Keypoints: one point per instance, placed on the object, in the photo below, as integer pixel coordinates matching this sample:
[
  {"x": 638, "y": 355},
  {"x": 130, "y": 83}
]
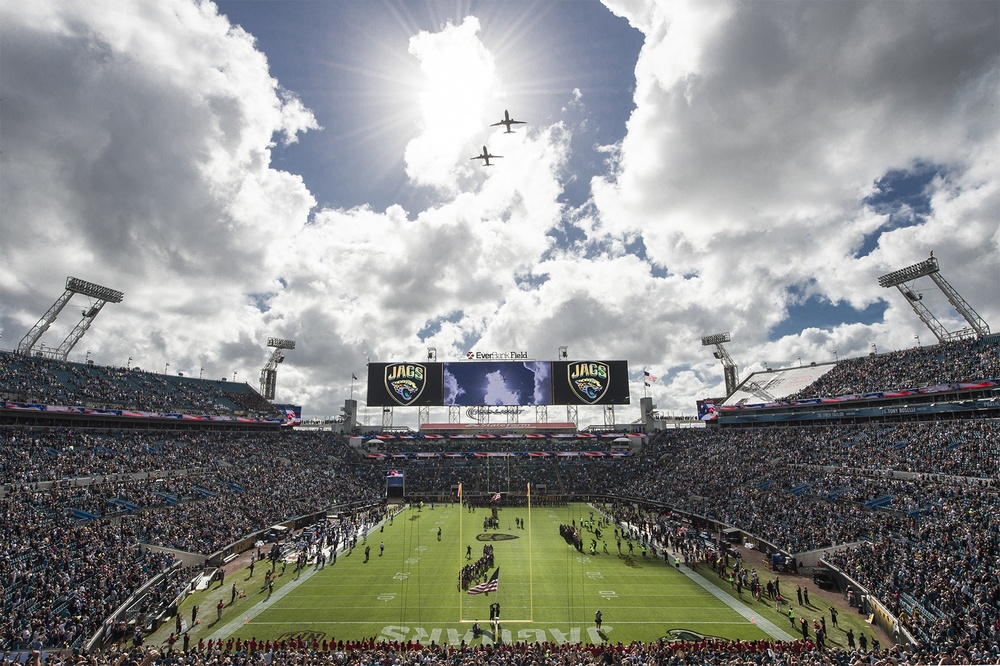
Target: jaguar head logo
[
  {"x": 589, "y": 380},
  {"x": 405, "y": 381}
]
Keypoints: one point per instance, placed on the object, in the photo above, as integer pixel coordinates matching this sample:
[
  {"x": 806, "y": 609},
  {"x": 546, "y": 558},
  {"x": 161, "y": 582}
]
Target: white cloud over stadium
[{"x": 757, "y": 187}]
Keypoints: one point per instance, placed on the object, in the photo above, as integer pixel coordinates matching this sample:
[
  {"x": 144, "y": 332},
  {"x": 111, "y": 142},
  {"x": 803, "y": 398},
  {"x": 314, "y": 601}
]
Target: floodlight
[
  {"x": 926, "y": 267},
  {"x": 716, "y": 339},
  {"x": 92, "y": 290},
  {"x": 280, "y": 343}
]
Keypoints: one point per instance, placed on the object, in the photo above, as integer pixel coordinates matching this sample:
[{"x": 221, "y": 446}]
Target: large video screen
[
  {"x": 590, "y": 383},
  {"x": 492, "y": 383},
  {"x": 498, "y": 383}
]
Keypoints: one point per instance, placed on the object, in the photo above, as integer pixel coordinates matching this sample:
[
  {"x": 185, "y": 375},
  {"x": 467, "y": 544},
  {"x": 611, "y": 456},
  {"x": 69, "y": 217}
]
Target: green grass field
[{"x": 547, "y": 591}]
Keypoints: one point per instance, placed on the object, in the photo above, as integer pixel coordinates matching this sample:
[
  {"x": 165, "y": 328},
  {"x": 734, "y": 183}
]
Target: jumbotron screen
[{"x": 498, "y": 383}]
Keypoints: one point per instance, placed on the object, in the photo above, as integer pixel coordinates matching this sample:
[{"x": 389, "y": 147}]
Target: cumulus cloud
[
  {"x": 137, "y": 152},
  {"x": 758, "y": 133}
]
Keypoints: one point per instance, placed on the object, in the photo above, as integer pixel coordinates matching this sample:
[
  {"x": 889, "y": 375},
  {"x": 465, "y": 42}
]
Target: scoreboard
[{"x": 498, "y": 383}]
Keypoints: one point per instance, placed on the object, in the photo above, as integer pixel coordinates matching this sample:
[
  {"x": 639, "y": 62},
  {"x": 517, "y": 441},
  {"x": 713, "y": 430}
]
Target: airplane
[
  {"x": 508, "y": 121},
  {"x": 486, "y": 157}
]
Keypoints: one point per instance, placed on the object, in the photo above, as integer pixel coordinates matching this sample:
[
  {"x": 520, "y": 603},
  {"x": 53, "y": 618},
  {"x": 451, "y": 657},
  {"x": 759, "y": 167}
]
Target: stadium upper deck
[{"x": 27, "y": 379}]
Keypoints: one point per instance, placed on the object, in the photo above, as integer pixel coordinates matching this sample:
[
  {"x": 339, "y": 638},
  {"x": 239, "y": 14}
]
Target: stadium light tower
[
  {"x": 98, "y": 296},
  {"x": 729, "y": 369},
  {"x": 269, "y": 374},
  {"x": 904, "y": 277}
]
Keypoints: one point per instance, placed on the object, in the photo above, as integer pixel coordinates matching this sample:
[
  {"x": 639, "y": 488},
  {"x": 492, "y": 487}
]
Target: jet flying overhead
[
  {"x": 486, "y": 157},
  {"x": 507, "y": 122}
]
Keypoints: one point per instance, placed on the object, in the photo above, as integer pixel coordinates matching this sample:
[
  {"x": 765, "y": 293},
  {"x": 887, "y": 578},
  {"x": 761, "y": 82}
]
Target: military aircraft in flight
[
  {"x": 486, "y": 157},
  {"x": 508, "y": 121}
]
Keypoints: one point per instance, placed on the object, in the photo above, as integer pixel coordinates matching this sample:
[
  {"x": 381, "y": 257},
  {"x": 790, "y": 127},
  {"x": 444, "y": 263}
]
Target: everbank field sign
[{"x": 496, "y": 356}]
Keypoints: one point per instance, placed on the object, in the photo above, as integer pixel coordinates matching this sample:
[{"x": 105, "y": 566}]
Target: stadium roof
[{"x": 774, "y": 385}]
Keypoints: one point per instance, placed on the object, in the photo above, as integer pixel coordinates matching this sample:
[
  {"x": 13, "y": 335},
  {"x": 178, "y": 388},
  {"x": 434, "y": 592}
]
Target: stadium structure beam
[
  {"x": 609, "y": 415},
  {"x": 100, "y": 296},
  {"x": 756, "y": 389},
  {"x": 423, "y": 415},
  {"x": 269, "y": 373},
  {"x": 572, "y": 415},
  {"x": 904, "y": 277},
  {"x": 729, "y": 369}
]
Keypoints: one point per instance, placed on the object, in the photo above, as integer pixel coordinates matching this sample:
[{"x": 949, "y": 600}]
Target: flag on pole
[
  {"x": 489, "y": 586},
  {"x": 354, "y": 377},
  {"x": 495, "y": 498},
  {"x": 648, "y": 378}
]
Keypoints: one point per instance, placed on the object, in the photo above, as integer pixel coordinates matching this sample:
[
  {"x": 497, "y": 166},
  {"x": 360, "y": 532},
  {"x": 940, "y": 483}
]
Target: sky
[{"x": 302, "y": 169}]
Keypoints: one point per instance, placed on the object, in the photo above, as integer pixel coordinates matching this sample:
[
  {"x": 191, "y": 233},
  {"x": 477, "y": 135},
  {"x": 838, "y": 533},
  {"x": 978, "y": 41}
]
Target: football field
[{"x": 547, "y": 590}]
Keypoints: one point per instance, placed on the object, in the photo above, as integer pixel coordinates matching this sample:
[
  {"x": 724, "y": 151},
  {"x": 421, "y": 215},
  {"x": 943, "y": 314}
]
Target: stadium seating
[{"x": 920, "y": 497}]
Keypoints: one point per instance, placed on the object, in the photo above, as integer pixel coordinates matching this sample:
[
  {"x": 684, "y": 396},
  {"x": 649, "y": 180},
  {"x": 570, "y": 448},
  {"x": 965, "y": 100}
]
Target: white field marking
[
  {"x": 411, "y": 560},
  {"x": 608, "y": 594},
  {"x": 420, "y": 549},
  {"x": 660, "y": 611},
  {"x": 249, "y": 614},
  {"x": 402, "y": 575},
  {"x": 386, "y": 596},
  {"x": 768, "y": 627},
  {"x": 361, "y": 622},
  {"x": 595, "y": 575}
]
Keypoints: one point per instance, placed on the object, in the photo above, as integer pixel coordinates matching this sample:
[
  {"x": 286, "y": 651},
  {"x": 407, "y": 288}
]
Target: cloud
[
  {"x": 759, "y": 129},
  {"x": 137, "y": 152},
  {"x": 460, "y": 87}
]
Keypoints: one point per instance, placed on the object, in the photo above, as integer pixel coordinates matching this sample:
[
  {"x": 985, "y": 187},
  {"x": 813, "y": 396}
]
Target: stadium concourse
[{"x": 98, "y": 513}]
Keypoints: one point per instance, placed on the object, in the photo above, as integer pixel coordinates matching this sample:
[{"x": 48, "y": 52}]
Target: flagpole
[
  {"x": 461, "y": 542},
  {"x": 352, "y": 386},
  {"x": 531, "y": 577}
]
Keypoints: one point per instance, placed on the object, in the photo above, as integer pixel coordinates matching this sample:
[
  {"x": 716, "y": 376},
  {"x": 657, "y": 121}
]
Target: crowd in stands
[
  {"x": 471, "y": 445},
  {"x": 944, "y": 363},
  {"x": 39, "y": 380},
  {"x": 930, "y": 551},
  {"x": 300, "y": 652},
  {"x": 808, "y": 488},
  {"x": 62, "y": 575}
]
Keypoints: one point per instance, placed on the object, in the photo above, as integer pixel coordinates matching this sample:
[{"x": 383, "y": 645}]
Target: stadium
[
  {"x": 852, "y": 515},
  {"x": 258, "y": 458}
]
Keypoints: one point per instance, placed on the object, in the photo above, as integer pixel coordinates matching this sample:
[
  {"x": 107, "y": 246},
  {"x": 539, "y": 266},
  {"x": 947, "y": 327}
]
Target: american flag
[
  {"x": 495, "y": 498},
  {"x": 489, "y": 586},
  {"x": 648, "y": 378}
]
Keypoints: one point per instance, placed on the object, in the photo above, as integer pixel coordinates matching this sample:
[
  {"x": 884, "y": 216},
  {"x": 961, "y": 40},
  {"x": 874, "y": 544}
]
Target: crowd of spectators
[
  {"x": 944, "y": 363},
  {"x": 299, "y": 652},
  {"x": 34, "y": 379},
  {"x": 66, "y": 570},
  {"x": 934, "y": 539},
  {"x": 930, "y": 550}
]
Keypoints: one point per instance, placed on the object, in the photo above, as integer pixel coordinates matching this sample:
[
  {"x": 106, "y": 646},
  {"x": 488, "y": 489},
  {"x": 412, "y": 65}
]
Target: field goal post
[{"x": 531, "y": 560}]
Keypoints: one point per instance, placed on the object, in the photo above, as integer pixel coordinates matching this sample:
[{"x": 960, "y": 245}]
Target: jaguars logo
[
  {"x": 589, "y": 380},
  {"x": 405, "y": 382},
  {"x": 307, "y": 636}
]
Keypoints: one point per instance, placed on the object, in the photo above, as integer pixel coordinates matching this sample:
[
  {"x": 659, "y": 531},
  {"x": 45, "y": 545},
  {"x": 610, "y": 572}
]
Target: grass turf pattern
[{"x": 548, "y": 590}]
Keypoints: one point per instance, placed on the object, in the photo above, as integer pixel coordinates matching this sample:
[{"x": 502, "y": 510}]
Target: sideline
[
  {"x": 247, "y": 616},
  {"x": 768, "y": 627}
]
